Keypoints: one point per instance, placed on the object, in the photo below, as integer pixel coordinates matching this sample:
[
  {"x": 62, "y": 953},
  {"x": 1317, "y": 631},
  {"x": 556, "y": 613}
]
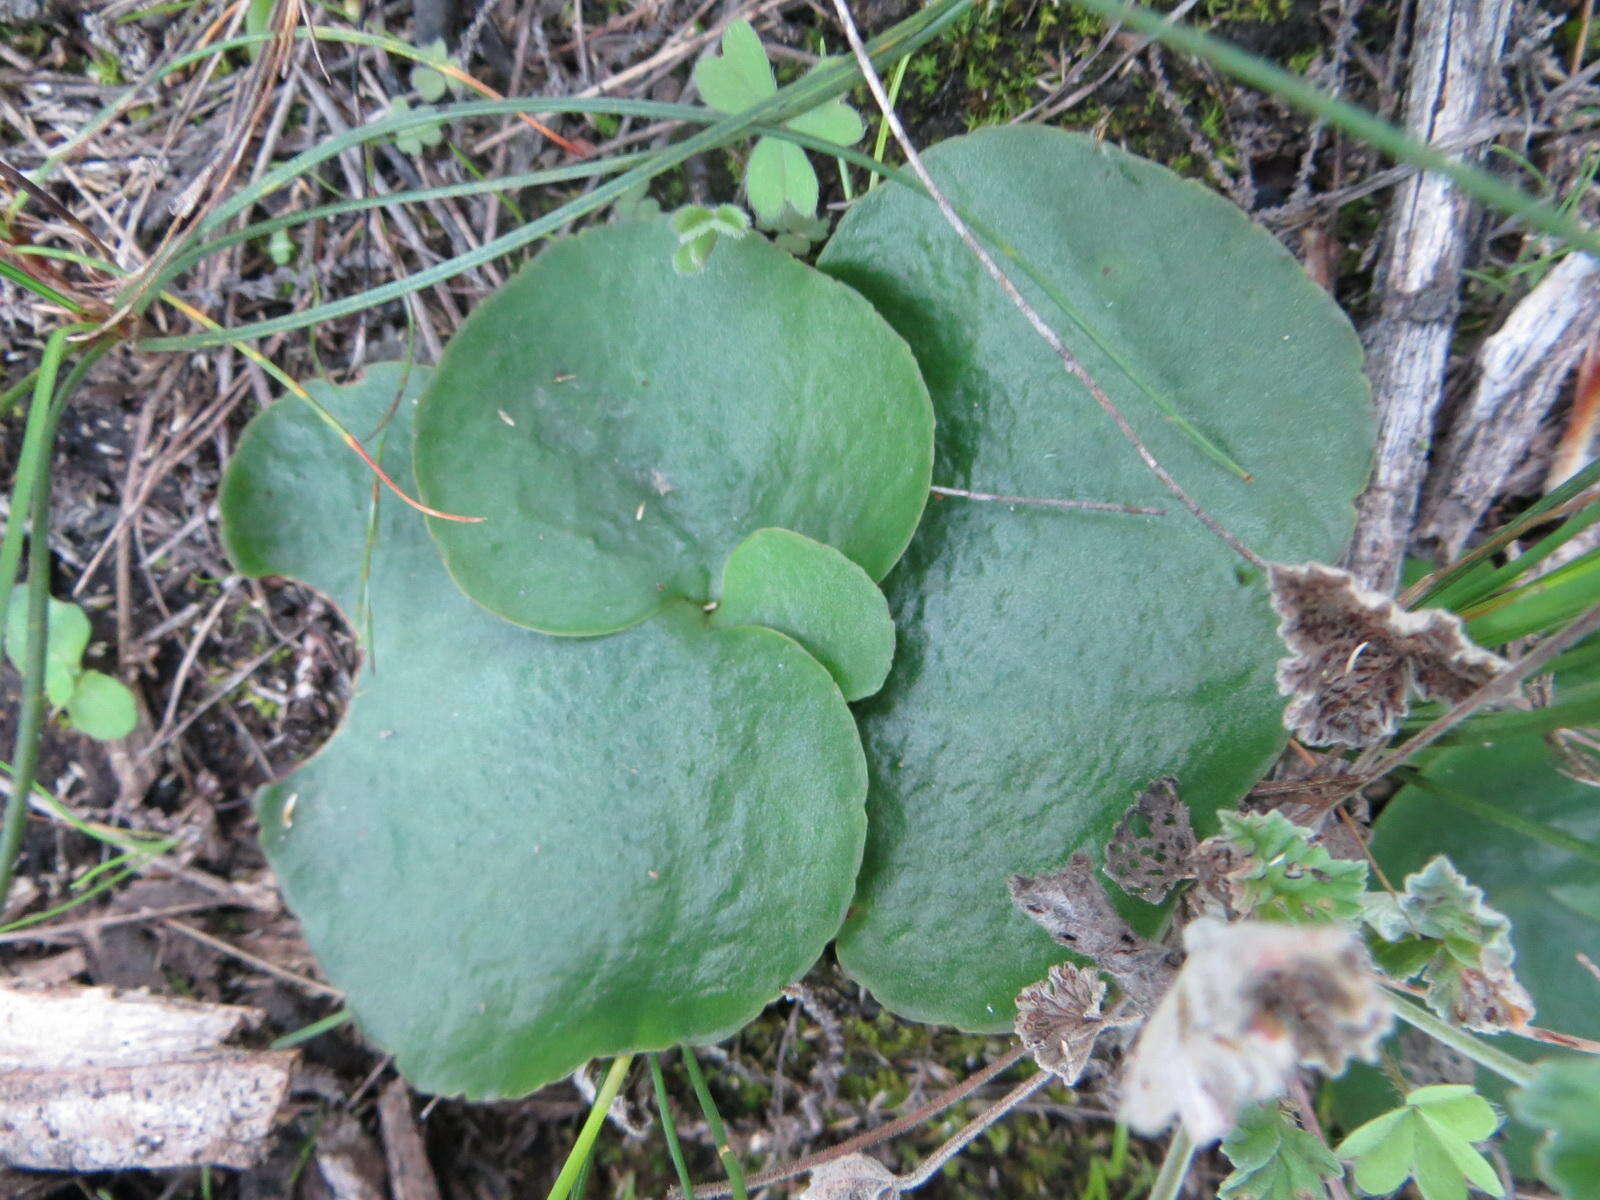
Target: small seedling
[
  {"x": 94, "y": 703},
  {"x": 414, "y": 141},
  {"x": 778, "y": 179}
]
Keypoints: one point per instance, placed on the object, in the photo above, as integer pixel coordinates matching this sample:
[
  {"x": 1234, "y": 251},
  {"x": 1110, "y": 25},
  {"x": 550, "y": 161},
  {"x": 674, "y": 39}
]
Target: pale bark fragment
[
  {"x": 1454, "y": 55},
  {"x": 93, "y": 1080},
  {"x": 1523, "y": 368},
  {"x": 410, "y": 1175}
]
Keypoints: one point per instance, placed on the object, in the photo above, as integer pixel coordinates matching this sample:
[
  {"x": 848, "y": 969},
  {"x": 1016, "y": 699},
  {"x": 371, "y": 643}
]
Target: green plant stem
[
  {"x": 708, "y": 1106},
  {"x": 30, "y": 719},
  {"x": 1512, "y": 1070},
  {"x": 1367, "y": 127},
  {"x": 1174, "y": 1167},
  {"x": 584, "y": 1146},
  {"x": 669, "y": 1128}
]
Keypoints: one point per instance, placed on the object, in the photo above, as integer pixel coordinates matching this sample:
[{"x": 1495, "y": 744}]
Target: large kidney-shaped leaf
[
  {"x": 519, "y": 851},
  {"x": 1050, "y": 663},
  {"x": 622, "y": 427}
]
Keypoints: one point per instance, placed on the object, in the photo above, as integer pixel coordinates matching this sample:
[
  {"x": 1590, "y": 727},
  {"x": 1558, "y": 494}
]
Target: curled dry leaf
[
  {"x": 1151, "y": 851},
  {"x": 853, "y": 1177},
  {"x": 1073, "y": 907},
  {"x": 1059, "y": 1018},
  {"x": 1254, "y": 1001},
  {"x": 1358, "y": 656}
]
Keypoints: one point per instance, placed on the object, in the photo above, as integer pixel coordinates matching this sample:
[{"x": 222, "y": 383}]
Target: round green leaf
[
  {"x": 1551, "y": 895},
  {"x": 102, "y": 707},
  {"x": 66, "y": 637},
  {"x": 622, "y": 427},
  {"x": 1051, "y": 663},
  {"x": 738, "y": 77},
  {"x": 519, "y": 852},
  {"x": 817, "y": 596}
]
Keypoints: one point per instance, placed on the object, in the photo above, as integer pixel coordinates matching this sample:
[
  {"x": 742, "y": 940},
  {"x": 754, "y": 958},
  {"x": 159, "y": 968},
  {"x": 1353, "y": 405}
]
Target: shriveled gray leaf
[
  {"x": 1072, "y": 906},
  {"x": 853, "y": 1177},
  {"x": 1152, "y": 849},
  {"x": 1358, "y": 656},
  {"x": 1059, "y": 1019}
]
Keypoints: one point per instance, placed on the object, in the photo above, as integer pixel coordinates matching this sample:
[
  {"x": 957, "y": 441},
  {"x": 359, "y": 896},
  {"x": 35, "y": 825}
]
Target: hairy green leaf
[
  {"x": 1274, "y": 1159},
  {"x": 1563, "y": 1103},
  {"x": 1276, "y": 873}
]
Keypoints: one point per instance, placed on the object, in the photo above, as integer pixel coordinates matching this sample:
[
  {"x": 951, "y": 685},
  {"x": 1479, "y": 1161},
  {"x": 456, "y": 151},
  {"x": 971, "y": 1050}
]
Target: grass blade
[
  {"x": 669, "y": 1129},
  {"x": 708, "y": 1106}
]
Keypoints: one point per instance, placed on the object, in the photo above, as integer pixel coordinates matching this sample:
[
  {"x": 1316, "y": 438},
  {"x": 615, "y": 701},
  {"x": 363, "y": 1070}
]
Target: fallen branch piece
[{"x": 94, "y": 1080}]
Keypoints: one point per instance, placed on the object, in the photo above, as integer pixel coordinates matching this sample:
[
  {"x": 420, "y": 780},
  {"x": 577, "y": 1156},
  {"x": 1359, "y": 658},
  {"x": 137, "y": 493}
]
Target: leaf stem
[
  {"x": 1512, "y": 1070},
  {"x": 1174, "y": 1167},
  {"x": 584, "y": 1146},
  {"x": 931, "y": 1165},
  {"x": 669, "y": 1128}
]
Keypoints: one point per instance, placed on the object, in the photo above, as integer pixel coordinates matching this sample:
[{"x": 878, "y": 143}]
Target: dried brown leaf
[
  {"x": 1152, "y": 849},
  {"x": 1059, "y": 1019},
  {"x": 1358, "y": 656}
]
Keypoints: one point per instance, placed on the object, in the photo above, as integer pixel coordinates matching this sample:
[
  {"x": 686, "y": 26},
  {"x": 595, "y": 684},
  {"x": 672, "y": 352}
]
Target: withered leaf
[
  {"x": 1072, "y": 905},
  {"x": 1151, "y": 851},
  {"x": 853, "y": 1177},
  {"x": 1254, "y": 1001},
  {"x": 1358, "y": 656},
  {"x": 1059, "y": 1019}
]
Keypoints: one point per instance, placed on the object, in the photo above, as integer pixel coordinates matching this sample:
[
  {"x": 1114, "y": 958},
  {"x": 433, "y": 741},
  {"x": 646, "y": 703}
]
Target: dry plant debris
[
  {"x": 1059, "y": 1019},
  {"x": 1358, "y": 656},
  {"x": 1149, "y": 862},
  {"x": 1253, "y": 1002},
  {"x": 94, "y": 1080}
]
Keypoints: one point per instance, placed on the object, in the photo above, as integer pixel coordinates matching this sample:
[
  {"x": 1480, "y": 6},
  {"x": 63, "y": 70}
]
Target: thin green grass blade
[
  {"x": 1578, "y": 707},
  {"x": 1540, "y": 605},
  {"x": 584, "y": 1146},
  {"x": 669, "y": 1128},
  {"x": 1503, "y": 818},
  {"x": 1450, "y": 587},
  {"x": 800, "y": 96},
  {"x": 1488, "y": 584},
  {"x": 1369, "y": 128},
  {"x": 316, "y": 1029},
  {"x": 708, "y": 1106},
  {"x": 43, "y": 290}
]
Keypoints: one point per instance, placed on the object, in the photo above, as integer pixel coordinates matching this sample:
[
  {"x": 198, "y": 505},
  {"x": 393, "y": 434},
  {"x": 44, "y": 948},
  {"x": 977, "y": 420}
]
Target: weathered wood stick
[{"x": 1456, "y": 47}]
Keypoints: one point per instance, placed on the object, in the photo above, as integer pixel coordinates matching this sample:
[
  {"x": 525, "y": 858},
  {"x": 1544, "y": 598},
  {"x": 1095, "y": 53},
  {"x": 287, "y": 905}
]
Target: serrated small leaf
[
  {"x": 738, "y": 77},
  {"x": 102, "y": 707},
  {"x": 1468, "y": 974},
  {"x": 1562, "y": 1101},
  {"x": 690, "y": 258},
  {"x": 1274, "y": 1159},
  {"x": 1274, "y": 871}
]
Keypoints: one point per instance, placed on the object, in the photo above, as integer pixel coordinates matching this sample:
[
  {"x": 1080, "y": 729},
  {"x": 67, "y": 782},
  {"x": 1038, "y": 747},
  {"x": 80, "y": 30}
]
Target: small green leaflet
[
  {"x": 698, "y": 228},
  {"x": 1429, "y": 1139},
  {"x": 95, "y": 703},
  {"x": 1280, "y": 876},
  {"x": 1274, "y": 1159},
  {"x": 778, "y": 179},
  {"x": 1564, "y": 1101},
  {"x": 1441, "y": 927}
]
